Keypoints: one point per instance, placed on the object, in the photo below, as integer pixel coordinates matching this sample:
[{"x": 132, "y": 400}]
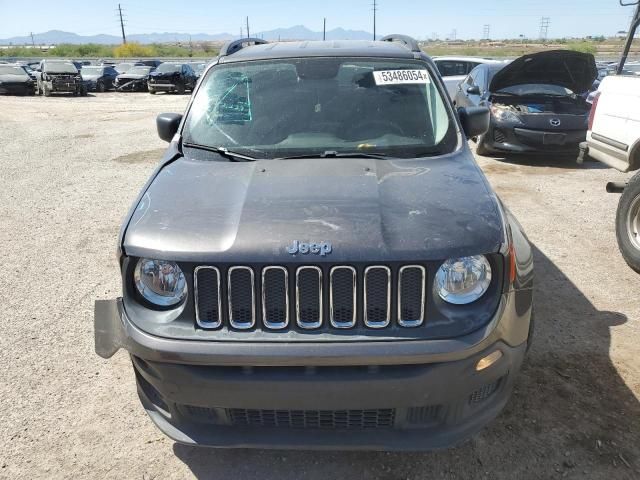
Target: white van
[{"x": 614, "y": 139}]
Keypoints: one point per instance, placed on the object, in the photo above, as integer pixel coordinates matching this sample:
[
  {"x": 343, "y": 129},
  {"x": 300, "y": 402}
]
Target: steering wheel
[{"x": 373, "y": 129}]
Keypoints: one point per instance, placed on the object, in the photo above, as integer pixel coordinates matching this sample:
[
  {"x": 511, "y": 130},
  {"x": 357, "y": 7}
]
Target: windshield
[
  {"x": 139, "y": 71},
  {"x": 123, "y": 67},
  {"x": 10, "y": 70},
  {"x": 60, "y": 67},
  {"x": 168, "y": 68},
  {"x": 537, "y": 89},
  {"x": 310, "y": 106},
  {"x": 92, "y": 70}
]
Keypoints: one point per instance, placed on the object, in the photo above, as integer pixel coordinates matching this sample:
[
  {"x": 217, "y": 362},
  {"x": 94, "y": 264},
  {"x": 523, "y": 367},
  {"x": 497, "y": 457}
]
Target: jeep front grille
[{"x": 310, "y": 298}]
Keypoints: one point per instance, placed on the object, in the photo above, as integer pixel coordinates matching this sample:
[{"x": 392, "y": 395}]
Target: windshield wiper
[
  {"x": 334, "y": 154},
  {"x": 223, "y": 152}
]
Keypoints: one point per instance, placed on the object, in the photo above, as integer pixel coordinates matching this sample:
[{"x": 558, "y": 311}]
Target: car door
[
  {"x": 463, "y": 97},
  {"x": 110, "y": 75}
]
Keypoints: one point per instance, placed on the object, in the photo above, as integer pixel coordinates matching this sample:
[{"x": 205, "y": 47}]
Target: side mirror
[
  {"x": 167, "y": 125},
  {"x": 474, "y": 120},
  {"x": 475, "y": 90}
]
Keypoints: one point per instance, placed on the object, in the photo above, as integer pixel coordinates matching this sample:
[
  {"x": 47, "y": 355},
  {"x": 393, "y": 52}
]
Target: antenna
[
  {"x": 544, "y": 27},
  {"x": 124, "y": 38},
  {"x": 324, "y": 29},
  {"x": 375, "y": 9},
  {"x": 248, "y": 32}
]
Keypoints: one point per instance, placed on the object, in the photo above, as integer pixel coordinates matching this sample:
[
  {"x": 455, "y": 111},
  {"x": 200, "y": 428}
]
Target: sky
[{"x": 421, "y": 19}]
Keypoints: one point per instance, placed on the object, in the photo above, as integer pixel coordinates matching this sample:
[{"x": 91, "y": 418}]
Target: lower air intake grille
[
  {"x": 484, "y": 392},
  {"x": 313, "y": 419},
  {"x": 499, "y": 136}
]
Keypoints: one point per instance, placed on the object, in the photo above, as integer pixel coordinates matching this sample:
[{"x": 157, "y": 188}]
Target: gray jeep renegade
[{"x": 318, "y": 261}]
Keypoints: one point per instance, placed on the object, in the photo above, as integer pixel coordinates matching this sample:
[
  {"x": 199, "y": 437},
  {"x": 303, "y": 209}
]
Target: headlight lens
[
  {"x": 160, "y": 282},
  {"x": 463, "y": 280},
  {"x": 504, "y": 115}
]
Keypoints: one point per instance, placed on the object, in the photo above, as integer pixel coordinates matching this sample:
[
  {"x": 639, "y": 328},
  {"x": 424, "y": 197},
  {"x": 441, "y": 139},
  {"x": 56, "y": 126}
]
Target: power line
[
  {"x": 544, "y": 27},
  {"x": 124, "y": 38}
]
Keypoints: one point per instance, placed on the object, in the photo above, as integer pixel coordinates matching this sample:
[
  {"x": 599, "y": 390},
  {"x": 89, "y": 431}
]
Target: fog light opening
[{"x": 489, "y": 360}]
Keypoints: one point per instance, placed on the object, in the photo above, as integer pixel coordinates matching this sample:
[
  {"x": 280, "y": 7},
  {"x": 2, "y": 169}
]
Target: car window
[
  {"x": 450, "y": 68},
  {"x": 480, "y": 78},
  {"x": 286, "y": 107}
]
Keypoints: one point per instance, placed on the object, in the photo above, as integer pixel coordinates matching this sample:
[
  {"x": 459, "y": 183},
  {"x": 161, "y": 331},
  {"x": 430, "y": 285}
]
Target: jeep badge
[{"x": 321, "y": 249}]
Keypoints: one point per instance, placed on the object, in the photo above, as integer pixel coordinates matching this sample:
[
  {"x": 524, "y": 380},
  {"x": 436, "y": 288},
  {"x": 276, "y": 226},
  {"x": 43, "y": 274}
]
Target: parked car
[
  {"x": 59, "y": 76},
  {"x": 614, "y": 138},
  {"x": 455, "y": 69},
  {"x": 172, "y": 77},
  {"x": 536, "y": 102},
  {"x": 150, "y": 63},
  {"x": 318, "y": 261},
  {"x": 125, "y": 67},
  {"x": 14, "y": 80},
  {"x": 135, "y": 80},
  {"x": 29, "y": 71},
  {"x": 99, "y": 78}
]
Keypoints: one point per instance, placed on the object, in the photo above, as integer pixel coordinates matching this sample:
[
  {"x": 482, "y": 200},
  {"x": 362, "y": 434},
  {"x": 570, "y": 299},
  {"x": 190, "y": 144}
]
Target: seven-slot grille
[{"x": 276, "y": 298}]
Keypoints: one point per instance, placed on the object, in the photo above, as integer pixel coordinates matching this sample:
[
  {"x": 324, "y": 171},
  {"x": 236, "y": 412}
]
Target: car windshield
[
  {"x": 60, "y": 67},
  {"x": 168, "y": 68},
  {"x": 92, "y": 70},
  {"x": 537, "y": 89},
  {"x": 139, "y": 71},
  {"x": 123, "y": 67},
  {"x": 314, "y": 106},
  {"x": 11, "y": 70}
]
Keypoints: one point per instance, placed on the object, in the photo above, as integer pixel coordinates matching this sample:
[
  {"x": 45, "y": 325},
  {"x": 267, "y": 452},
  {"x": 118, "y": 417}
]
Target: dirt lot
[{"x": 69, "y": 169}]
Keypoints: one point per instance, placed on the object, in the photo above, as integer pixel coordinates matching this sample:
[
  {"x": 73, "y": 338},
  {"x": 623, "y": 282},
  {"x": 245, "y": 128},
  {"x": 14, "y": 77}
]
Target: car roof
[
  {"x": 469, "y": 59},
  {"x": 338, "y": 48}
]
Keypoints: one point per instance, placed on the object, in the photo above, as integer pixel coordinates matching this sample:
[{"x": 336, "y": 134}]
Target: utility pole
[
  {"x": 241, "y": 32},
  {"x": 375, "y": 9},
  {"x": 324, "y": 29},
  {"x": 486, "y": 33},
  {"x": 635, "y": 23},
  {"x": 33, "y": 42},
  {"x": 124, "y": 38},
  {"x": 544, "y": 27},
  {"x": 248, "y": 34}
]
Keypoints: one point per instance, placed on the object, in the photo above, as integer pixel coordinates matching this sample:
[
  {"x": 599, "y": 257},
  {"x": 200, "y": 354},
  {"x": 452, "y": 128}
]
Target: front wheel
[
  {"x": 628, "y": 223},
  {"x": 101, "y": 87},
  {"x": 180, "y": 88},
  {"x": 45, "y": 90},
  {"x": 481, "y": 149}
]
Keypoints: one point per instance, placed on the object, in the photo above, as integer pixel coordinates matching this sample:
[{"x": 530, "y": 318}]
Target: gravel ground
[{"x": 69, "y": 169}]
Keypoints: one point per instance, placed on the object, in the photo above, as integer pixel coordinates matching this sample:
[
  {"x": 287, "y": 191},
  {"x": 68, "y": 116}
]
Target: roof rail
[
  {"x": 406, "y": 40},
  {"x": 232, "y": 47}
]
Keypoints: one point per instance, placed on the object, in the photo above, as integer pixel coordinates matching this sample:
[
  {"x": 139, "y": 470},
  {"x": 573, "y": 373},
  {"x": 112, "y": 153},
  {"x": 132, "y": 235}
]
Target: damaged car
[
  {"x": 134, "y": 80},
  {"x": 537, "y": 102},
  {"x": 57, "y": 76},
  {"x": 15, "y": 81},
  {"x": 99, "y": 78},
  {"x": 172, "y": 77}
]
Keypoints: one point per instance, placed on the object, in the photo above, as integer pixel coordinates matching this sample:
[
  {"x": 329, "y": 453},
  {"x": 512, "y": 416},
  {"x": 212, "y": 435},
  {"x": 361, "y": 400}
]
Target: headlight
[
  {"x": 463, "y": 280},
  {"x": 160, "y": 282},
  {"x": 504, "y": 115}
]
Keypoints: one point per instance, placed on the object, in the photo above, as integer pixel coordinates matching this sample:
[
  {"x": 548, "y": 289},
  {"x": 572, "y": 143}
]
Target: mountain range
[{"x": 298, "y": 32}]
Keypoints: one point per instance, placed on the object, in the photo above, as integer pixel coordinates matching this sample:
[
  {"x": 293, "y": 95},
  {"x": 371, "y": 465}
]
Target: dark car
[
  {"x": 29, "y": 71},
  {"x": 59, "y": 76},
  {"x": 172, "y": 77},
  {"x": 537, "y": 102},
  {"x": 14, "y": 80},
  {"x": 134, "y": 80},
  {"x": 318, "y": 261},
  {"x": 99, "y": 78}
]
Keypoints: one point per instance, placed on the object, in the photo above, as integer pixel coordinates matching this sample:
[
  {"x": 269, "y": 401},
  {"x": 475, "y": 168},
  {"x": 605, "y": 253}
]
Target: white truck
[{"x": 614, "y": 138}]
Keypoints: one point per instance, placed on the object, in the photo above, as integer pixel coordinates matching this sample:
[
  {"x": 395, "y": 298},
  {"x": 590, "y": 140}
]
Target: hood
[
  {"x": 211, "y": 211},
  {"x": 163, "y": 74},
  {"x": 11, "y": 78},
  {"x": 92, "y": 76},
  {"x": 573, "y": 70}
]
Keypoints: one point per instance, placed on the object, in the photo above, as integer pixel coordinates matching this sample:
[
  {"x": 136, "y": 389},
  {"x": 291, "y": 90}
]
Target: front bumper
[
  {"x": 404, "y": 395},
  {"x": 510, "y": 138},
  {"x": 17, "y": 88},
  {"x": 162, "y": 87}
]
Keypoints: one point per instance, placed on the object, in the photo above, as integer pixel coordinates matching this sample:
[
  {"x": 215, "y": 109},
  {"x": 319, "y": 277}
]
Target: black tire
[
  {"x": 532, "y": 329},
  {"x": 628, "y": 223},
  {"x": 83, "y": 91},
  {"x": 152, "y": 92},
  {"x": 101, "y": 87},
  {"x": 180, "y": 88},
  {"x": 481, "y": 149}
]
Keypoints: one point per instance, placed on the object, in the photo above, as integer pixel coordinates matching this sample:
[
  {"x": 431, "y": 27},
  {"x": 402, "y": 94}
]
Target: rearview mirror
[
  {"x": 475, "y": 90},
  {"x": 474, "y": 120},
  {"x": 167, "y": 125}
]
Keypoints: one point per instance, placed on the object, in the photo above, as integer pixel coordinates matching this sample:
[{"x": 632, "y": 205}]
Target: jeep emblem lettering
[{"x": 322, "y": 249}]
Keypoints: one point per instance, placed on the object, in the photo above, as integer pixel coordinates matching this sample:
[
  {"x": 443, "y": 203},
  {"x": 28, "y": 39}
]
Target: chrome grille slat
[
  {"x": 241, "y": 297},
  {"x": 208, "y": 300},
  {"x": 309, "y": 312},
  {"x": 275, "y": 297},
  {"x": 377, "y": 296},
  {"x": 342, "y": 297},
  {"x": 411, "y": 295}
]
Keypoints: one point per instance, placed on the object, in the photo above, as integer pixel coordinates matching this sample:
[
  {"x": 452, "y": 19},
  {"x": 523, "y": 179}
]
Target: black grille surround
[{"x": 200, "y": 317}]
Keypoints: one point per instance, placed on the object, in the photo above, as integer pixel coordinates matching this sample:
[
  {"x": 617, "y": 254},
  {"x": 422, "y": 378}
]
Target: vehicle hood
[
  {"x": 573, "y": 70},
  {"x": 11, "y": 78},
  {"x": 212, "y": 211},
  {"x": 131, "y": 76},
  {"x": 92, "y": 76},
  {"x": 163, "y": 74}
]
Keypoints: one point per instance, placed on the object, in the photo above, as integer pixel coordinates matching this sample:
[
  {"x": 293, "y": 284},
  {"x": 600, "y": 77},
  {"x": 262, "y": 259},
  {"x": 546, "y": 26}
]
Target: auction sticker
[{"x": 399, "y": 77}]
